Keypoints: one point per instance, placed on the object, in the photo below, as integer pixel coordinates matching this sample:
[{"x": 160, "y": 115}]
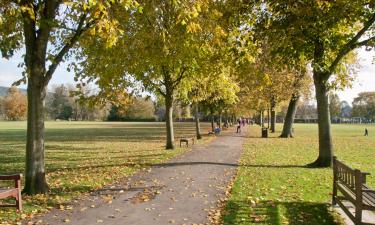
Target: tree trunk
[
  {"x": 273, "y": 116},
  {"x": 197, "y": 123},
  {"x": 268, "y": 118},
  {"x": 289, "y": 117},
  {"x": 324, "y": 123},
  {"x": 212, "y": 123},
  {"x": 261, "y": 120},
  {"x": 169, "y": 121},
  {"x": 35, "y": 179},
  {"x": 220, "y": 120},
  {"x": 273, "y": 121}
]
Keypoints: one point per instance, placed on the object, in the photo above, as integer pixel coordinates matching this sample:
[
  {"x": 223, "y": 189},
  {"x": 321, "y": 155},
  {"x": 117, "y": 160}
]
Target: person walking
[
  {"x": 239, "y": 126},
  {"x": 366, "y": 132}
]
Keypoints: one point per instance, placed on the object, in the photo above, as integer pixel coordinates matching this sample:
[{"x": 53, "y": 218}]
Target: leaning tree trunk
[
  {"x": 289, "y": 117},
  {"x": 324, "y": 123},
  {"x": 169, "y": 121},
  {"x": 197, "y": 123},
  {"x": 35, "y": 177}
]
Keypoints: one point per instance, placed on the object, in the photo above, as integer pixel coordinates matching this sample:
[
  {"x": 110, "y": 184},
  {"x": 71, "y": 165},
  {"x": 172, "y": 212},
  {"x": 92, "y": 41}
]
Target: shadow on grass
[
  {"x": 105, "y": 134},
  {"x": 225, "y": 164},
  {"x": 277, "y": 213}
]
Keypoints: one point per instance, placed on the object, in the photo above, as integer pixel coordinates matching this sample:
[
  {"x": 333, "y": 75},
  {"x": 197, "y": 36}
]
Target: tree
[
  {"x": 2, "y": 111},
  {"x": 137, "y": 109},
  {"x": 364, "y": 105},
  {"x": 306, "y": 110},
  {"x": 15, "y": 104},
  {"x": 334, "y": 105},
  {"x": 346, "y": 109},
  {"x": 48, "y": 30},
  {"x": 300, "y": 86},
  {"x": 60, "y": 106},
  {"x": 161, "y": 50},
  {"x": 324, "y": 33}
]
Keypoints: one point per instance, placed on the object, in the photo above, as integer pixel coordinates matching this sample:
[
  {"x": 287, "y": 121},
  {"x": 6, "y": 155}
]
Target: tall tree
[
  {"x": 48, "y": 30},
  {"x": 161, "y": 49},
  {"x": 324, "y": 33},
  {"x": 345, "y": 109},
  {"x": 60, "y": 107},
  {"x": 334, "y": 104},
  {"x": 15, "y": 104},
  {"x": 364, "y": 105},
  {"x": 300, "y": 87}
]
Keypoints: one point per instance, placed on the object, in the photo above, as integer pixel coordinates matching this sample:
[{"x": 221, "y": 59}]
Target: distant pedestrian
[
  {"x": 239, "y": 126},
  {"x": 366, "y": 132}
]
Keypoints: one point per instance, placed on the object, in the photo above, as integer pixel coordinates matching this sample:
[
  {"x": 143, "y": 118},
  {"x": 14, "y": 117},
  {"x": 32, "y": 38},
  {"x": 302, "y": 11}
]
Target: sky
[{"x": 365, "y": 79}]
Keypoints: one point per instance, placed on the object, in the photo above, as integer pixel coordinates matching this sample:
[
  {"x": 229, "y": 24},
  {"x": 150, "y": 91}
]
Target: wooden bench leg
[
  {"x": 358, "y": 203},
  {"x": 334, "y": 191},
  {"x": 358, "y": 215},
  {"x": 19, "y": 196},
  {"x": 19, "y": 203}
]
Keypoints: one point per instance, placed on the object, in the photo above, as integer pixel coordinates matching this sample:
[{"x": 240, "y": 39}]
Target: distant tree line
[
  {"x": 63, "y": 104},
  {"x": 363, "y": 106}
]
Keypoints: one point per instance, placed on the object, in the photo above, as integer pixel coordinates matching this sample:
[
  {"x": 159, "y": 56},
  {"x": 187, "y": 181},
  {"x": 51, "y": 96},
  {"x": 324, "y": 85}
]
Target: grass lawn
[
  {"x": 84, "y": 156},
  {"x": 274, "y": 187}
]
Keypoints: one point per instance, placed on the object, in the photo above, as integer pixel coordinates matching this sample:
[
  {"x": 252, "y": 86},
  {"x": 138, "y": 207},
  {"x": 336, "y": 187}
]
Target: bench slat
[
  {"x": 369, "y": 199},
  {"x": 11, "y": 177},
  {"x": 351, "y": 184}
]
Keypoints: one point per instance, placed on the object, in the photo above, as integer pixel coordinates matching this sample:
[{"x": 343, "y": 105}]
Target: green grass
[
  {"x": 84, "y": 156},
  {"x": 274, "y": 187}
]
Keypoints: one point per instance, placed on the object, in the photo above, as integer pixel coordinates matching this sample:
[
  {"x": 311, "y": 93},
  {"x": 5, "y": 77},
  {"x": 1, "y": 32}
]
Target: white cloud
[{"x": 365, "y": 78}]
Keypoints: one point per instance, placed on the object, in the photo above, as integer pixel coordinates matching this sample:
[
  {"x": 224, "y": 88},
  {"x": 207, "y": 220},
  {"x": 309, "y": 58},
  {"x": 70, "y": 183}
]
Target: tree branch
[
  {"x": 180, "y": 77},
  {"x": 353, "y": 43},
  {"x": 58, "y": 58},
  {"x": 158, "y": 89},
  {"x": 365, "y": 42},
  {"x": 29, "y": 30}
]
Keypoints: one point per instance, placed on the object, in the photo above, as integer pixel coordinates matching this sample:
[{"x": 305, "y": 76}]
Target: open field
[
  {"x": 84, "y": 156},
  {"x": 274, "y": 187}
]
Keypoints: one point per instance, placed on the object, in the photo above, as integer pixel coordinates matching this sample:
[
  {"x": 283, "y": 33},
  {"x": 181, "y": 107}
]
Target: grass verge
[{"x": 273, "y": 185}]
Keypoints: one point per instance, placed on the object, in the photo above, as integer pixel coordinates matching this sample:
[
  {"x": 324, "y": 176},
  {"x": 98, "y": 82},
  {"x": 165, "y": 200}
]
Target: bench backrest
[
  {"x": 14, "y": 177},
  {"x": 350, "y": 178}
]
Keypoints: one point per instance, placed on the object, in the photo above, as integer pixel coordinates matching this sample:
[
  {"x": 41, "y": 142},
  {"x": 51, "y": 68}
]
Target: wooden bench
[
  {"x": 186, "y": 140},
  {"x": 12, "y": 192},
  {"x": 351, "y": 183}
]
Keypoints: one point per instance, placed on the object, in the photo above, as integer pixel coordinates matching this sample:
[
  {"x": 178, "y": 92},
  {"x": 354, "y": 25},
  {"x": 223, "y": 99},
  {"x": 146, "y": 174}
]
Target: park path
[{"x": 184, "y": 190}]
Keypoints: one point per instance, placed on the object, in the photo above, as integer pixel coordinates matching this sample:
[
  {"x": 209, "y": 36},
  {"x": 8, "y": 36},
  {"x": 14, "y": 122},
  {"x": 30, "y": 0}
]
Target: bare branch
[{"x": 58, "y": 58}]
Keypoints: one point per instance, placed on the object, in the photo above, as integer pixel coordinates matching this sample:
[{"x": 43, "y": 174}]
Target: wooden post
[
  {"x": 334, "y": 192},
  {"x": 358, "y": 193},
  {"x": 19, "y": 196}
]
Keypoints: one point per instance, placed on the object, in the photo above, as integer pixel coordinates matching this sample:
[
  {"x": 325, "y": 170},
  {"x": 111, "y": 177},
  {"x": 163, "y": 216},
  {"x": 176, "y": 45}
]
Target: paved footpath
[{"x": 181, "y": 191}]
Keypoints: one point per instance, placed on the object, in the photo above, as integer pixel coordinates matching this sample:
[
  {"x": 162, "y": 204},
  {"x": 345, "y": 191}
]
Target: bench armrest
[{"x": 11, "y": 177}]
